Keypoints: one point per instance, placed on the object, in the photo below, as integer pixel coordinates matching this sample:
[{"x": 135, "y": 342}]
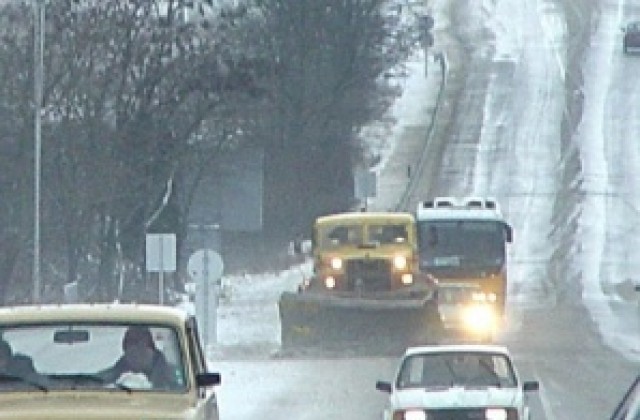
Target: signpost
[
  {"x": 161, "y": 257},
  {"x": 206, "y": 266},
  {"x": 366, "y": 185}
]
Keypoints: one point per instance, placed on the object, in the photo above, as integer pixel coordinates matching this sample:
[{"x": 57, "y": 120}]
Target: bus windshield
[{"x": 461, "y": 244}]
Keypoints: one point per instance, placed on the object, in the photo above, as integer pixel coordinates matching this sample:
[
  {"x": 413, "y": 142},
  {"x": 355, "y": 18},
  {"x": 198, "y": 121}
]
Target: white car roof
[{"x": 462, "y": 348}]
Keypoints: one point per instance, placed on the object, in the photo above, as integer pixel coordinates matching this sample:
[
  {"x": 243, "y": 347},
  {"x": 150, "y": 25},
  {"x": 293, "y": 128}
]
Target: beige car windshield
[{"x": 92, "y": 356}]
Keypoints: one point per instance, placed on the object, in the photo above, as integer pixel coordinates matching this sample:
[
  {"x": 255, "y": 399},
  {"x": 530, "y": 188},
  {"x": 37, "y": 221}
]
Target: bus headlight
[
  {"x": 400, "y": 262},
  {"x": 336, "y": 263},
  {"x": 479, "y": 318},
  {"x": 484, "y": 297}
]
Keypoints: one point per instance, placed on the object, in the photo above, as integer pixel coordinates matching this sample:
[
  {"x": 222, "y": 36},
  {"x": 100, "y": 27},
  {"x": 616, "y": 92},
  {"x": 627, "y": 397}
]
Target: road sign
[
  {"x": 161, "y": 252},
  {"x": 161, "y": 257},
  {"x": 205, "y": 263},
  {"x": 365, "y": 184}
]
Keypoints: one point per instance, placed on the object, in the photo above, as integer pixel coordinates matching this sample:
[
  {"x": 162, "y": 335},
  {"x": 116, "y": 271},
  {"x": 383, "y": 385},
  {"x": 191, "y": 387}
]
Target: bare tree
[
  {"x": 129, "y": 88},
  {"x": 330, "y": 61}
]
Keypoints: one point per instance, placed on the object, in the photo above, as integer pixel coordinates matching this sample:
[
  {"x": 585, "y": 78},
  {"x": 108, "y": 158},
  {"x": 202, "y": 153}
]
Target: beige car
[{"x": 103, "y": 361}]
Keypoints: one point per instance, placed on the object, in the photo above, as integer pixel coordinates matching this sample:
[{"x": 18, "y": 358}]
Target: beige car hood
[{"x": 93, "y": 405}]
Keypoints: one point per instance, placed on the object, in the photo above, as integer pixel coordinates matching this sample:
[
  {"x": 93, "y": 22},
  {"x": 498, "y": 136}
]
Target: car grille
[
  {"x": 465, "y": 414},
  {"x": 374, "y": 275}
]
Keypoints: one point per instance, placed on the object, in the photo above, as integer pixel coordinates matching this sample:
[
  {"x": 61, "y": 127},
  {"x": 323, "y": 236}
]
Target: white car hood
[{"x": 455, "y": 397}]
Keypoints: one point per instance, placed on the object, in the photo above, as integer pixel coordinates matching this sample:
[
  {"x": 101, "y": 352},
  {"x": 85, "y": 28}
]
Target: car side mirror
[
  {"x": 383, "y": 386},
  {"x": 208, "y": 379}
]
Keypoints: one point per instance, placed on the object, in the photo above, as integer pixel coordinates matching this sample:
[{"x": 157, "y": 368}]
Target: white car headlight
[
  {"x": 410, "y": 414},
  {"x": 495, "y": 414}
]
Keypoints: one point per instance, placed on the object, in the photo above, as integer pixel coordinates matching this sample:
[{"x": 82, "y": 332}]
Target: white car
[{"x": 458, "y": 381}]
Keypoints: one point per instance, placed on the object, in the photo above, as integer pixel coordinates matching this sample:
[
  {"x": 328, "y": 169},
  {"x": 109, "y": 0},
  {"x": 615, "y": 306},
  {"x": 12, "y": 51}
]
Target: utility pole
[{"x": 38, "y": 81}]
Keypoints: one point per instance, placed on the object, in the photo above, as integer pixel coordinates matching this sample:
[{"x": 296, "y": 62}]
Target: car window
[
  {"x": 456, "y": 368},
  {"x": 76, "y": 355}
]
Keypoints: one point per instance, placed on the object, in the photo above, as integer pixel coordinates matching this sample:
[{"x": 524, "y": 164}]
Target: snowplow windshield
[
  {"x": 340, "y": 235},
  {"x": 349, "y": 235},
  {"x": 365, "y": 231}
]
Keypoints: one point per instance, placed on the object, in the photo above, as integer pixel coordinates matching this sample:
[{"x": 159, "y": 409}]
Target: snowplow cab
[
  {"x": 364, "y": 253},
  {"x": 366, "y": 290}
]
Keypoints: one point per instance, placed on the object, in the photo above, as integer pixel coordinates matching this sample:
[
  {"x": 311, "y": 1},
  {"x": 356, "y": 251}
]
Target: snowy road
[
  {"x": 303, "y": 389},
  {"x": 574, "y": 204}
]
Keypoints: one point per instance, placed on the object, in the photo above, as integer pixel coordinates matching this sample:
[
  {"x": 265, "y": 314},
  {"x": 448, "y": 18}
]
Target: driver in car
[
  {"x": 140, "y": 356},
  {"x": 475, "y": 370}
]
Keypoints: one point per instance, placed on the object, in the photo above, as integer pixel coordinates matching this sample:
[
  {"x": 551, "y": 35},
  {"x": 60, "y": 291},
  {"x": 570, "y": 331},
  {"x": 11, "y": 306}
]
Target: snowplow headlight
[
  {"x": 336, "y": 263},
  {"x": 410, "y": 414},
  {"x": 400, "y": 262},
  {"x": 407, "y": 279},
  {"x": 330, "y": 282}
]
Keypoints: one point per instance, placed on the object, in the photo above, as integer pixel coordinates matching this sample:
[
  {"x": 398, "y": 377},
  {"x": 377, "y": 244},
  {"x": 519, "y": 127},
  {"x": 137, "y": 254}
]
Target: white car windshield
[
  {"x": 447, "y": 369},
  {"x": 83, "y": 356}
]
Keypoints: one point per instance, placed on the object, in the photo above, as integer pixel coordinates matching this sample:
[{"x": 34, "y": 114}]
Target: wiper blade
[
  {"x": 100, "y": 380},
  {"x": 7, "y": 377},
  {"x": 437, "y": 387}
]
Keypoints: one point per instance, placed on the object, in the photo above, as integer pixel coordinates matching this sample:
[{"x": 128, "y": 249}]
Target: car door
[{"x": 207, "y": 397}]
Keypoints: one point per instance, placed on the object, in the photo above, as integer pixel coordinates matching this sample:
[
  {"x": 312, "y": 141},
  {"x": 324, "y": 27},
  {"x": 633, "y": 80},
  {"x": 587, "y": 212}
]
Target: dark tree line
[{"x": 140, "y": 98}]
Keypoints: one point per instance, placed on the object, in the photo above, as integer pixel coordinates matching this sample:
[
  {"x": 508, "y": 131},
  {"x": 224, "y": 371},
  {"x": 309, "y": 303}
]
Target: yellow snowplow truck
[{"x": 366, "y": 292}]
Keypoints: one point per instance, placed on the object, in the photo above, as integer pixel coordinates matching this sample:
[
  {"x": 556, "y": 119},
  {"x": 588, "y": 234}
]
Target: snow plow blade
[{"x": 364, "y": 326}]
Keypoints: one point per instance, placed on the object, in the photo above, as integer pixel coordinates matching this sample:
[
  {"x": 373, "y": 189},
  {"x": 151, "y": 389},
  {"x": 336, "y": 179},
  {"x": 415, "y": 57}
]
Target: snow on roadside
[{"x": 247, "y": 317}]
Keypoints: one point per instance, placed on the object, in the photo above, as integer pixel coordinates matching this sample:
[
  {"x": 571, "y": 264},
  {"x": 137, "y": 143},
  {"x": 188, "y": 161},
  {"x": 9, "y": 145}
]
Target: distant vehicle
[
  {"x": 631, "y": 38},
  {"x": 629, "y": 407},
  {"x": 467, "y": 313},
  {"x": 464, "y": 241},
  {"x": 463, "y": 381},
  {"x": 67, "y": 355},
  {"x": 365, "y": 289}
]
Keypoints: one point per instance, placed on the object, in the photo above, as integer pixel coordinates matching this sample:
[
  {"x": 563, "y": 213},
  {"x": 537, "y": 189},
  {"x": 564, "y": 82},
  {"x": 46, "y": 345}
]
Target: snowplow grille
[{"x": 374, "y": 275}]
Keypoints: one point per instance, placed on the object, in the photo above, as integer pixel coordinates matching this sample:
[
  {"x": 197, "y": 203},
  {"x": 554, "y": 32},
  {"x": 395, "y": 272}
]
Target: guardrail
[{"x": 416, "y": 174}]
